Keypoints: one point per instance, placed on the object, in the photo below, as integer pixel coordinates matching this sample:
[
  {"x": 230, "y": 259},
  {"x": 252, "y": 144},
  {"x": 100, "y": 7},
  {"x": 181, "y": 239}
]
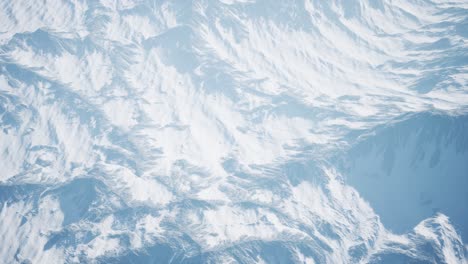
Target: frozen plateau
[{"x": 228, "y": 131}]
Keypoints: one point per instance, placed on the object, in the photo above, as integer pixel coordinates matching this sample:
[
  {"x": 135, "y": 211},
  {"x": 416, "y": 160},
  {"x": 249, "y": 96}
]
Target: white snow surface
[{"x": 205, "y": 131}]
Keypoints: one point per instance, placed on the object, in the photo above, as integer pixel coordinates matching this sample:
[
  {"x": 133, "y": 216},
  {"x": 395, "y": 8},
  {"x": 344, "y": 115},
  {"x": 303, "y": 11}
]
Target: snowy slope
[
  {"x": 232, "y": 131},
  {"x": 414, "y": 169}
]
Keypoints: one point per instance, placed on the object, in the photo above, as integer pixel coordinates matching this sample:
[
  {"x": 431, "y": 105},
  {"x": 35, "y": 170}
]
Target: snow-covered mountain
[{"x": 233, "y": 131}]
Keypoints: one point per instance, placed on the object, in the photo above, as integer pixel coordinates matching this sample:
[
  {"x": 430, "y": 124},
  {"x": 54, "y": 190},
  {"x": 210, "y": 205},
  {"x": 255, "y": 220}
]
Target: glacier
[{"x": 234, "y": 131}]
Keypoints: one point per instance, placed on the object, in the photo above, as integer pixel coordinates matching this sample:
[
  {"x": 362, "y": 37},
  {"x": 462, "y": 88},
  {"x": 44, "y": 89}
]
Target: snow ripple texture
[{"x": 233, "y": 131}]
